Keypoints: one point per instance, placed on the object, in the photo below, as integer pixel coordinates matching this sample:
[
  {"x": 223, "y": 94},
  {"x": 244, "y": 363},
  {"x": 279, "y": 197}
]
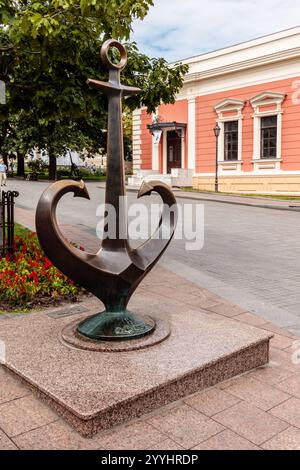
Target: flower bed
[{"x": 29, "y": 279}]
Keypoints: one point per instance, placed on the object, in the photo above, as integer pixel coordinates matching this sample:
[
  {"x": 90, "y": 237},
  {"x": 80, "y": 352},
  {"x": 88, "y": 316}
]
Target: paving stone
[
  {"x": 3, "y": 316},
  {"x": 24, "y": 414},
  {"x": 250, "y": 319},
  {"x": 212, "y": 401},
  {"x": 10, "y": 388},
  {"x": 226, "y": 440},
  {"x": 250, "y": 422},
  {"x": 276, "y": 329},
  {"x": 284, "y": 359},
  {"x": 67, "y": 312},
  {"x": 54, "y": 436},
  {"x": 295, "y": 331},
  {"x": 260, "y": 394},
  {"x": 291, "y": 385},
  {"x": 281, "y": 342},
  {"x": 168, "y": 444},
  {"x": 288, "y": 411},
  {"x": 227, "y": 309},
  {"x": 136, "y": 436},
  {"x": 271, "y": 373},
  {"x": 185, "y": 425},
  {"x": 6, "y": 443},
  {"x": 286, "y": 440}
]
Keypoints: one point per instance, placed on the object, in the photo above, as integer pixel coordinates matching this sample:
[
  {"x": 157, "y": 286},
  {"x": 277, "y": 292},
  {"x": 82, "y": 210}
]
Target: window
[
  {"x": 268, "y": 137},
  {"x": 231, "y": 139}
]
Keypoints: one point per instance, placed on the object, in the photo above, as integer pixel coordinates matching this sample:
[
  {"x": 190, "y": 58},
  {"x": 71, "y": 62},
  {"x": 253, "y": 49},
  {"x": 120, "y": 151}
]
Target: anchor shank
[{"x": 115, "y": 182}]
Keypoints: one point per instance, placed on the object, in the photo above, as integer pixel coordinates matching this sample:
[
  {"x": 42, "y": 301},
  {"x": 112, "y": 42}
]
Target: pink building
[{"x": 252, "y": 90}]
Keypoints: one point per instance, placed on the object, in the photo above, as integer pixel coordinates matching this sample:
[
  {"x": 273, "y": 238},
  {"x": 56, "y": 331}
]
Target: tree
[{"x": 49, "y": 49}]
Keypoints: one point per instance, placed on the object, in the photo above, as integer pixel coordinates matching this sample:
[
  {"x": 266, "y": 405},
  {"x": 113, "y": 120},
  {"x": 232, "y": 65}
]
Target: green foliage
[
  {"x": 47, "y": 52},
  {"x": 36, "y": 166}
]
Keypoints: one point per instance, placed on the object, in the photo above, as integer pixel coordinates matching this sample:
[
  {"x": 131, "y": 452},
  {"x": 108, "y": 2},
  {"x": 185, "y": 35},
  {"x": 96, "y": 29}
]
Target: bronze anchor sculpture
[{"x": 116, "y": 270}]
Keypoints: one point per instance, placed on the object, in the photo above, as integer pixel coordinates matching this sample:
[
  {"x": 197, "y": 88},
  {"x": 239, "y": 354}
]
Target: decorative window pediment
[
  {"x": 229, "y": 105},
  {"x": 266, "y": 98}
]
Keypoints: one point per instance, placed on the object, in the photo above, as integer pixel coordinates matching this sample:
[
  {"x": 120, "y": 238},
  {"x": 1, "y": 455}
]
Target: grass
[
  {"x": 256, "y": 195},
  {"x": 21, "y": 231}
]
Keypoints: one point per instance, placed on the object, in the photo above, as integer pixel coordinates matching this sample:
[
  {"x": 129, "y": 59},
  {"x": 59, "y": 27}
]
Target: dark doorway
[{"x": 173, "y": 150}]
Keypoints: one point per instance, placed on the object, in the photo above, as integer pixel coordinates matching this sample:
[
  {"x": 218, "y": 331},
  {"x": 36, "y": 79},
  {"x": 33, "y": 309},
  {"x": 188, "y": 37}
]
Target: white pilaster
[
  {"x": 165, "y": 150},
  {"x": 192, "y": 133},
  {"x": 155, "y": 155},
  {"x": 136, "y": 140},
  {"x": 183, "y": 148}
]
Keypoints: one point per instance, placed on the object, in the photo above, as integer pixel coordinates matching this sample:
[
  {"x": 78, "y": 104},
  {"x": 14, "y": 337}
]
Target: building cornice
[{"x": 244, "y": 65}]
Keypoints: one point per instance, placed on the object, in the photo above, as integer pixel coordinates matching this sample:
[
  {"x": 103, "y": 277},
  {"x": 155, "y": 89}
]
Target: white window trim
[
  {"x": 226, "y": 106},
  {"x": 266, "y": 99}
]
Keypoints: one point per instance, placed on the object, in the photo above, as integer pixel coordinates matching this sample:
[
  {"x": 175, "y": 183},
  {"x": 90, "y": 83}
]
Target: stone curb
[{"x": 197, "y": 197}]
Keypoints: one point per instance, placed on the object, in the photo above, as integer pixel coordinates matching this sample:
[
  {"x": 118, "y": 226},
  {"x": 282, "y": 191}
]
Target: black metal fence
[{"x": 7, "y": 221}]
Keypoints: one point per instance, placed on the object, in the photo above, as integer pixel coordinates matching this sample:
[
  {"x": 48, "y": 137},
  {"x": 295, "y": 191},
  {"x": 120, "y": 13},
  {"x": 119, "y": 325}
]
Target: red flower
[{"x": 34, "y": 277}]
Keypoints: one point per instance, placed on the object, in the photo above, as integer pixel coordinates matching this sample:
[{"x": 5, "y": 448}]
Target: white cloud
[{"x": 177, "y": 29}]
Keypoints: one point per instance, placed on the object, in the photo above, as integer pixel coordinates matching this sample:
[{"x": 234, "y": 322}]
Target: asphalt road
[{"x": 250, "y": 255}]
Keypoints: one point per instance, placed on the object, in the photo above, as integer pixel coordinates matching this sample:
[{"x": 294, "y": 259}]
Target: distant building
[
  {"x": 252, "y": 90},
  {"x": 98, "y": 160}
]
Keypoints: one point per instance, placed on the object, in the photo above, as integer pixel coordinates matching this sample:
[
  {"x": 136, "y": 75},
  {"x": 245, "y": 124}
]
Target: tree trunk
[
  {"x": 20, "y": 165},
  {"x": 5, "y": 160},
  {"x": 52, "y": 167}
]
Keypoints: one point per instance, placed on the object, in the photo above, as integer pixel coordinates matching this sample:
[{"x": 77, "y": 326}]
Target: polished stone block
[{"x": 96, "y": 390}]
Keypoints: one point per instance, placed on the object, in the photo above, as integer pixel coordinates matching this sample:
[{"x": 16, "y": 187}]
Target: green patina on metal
[{"x": 116, "y": 326}]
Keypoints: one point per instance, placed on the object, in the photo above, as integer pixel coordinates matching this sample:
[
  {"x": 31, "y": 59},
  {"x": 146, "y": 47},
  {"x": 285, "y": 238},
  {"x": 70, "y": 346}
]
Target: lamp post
[
  {"x": 217, "y": 131},
  {"x": 2, "y": 92}
]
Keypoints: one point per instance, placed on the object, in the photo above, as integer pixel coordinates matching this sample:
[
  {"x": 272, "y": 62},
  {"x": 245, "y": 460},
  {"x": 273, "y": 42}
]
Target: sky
[{"x": 178, "y": 29}]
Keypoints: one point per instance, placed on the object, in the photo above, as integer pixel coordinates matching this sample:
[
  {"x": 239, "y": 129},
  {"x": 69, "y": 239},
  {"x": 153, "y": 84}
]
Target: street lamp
[{"x": 217, "y": 131}]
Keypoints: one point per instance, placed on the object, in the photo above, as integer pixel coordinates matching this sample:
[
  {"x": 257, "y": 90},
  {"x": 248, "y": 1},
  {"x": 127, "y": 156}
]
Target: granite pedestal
[{"x": 96, "y": 390}]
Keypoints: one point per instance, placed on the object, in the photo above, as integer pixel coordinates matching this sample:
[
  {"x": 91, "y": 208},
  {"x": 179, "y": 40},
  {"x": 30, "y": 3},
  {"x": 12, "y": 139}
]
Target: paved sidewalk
[
  {"x": 259, "y": 410},
  {"x": 263, "y": 202}
]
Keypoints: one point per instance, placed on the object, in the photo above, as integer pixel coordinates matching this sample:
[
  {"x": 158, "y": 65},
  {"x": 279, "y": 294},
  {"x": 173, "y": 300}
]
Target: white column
[
  {"x": 221, "y": 156},
  {"x": 279, "y": 135},
  {"x": 164, "y": 152},
  {"x": 155, "y": 156},
  {"x": 183, "y": 148},
  {"x": 192, "y": 133},
  {"x": 136, "y": 140}
]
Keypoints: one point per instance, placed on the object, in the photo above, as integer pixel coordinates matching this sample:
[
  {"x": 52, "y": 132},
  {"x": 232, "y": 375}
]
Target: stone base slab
[{"x": 95, "y": 390}]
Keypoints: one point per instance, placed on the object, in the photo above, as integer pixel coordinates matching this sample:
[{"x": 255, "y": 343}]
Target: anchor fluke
[
  {"x": 146, "y": 189},
  {"x": 81, "y": 191}
]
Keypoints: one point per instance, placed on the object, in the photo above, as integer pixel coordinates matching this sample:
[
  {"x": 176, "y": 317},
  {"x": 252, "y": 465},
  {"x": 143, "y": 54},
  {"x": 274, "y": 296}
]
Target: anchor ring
[{"x": 105, "y": 58}]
